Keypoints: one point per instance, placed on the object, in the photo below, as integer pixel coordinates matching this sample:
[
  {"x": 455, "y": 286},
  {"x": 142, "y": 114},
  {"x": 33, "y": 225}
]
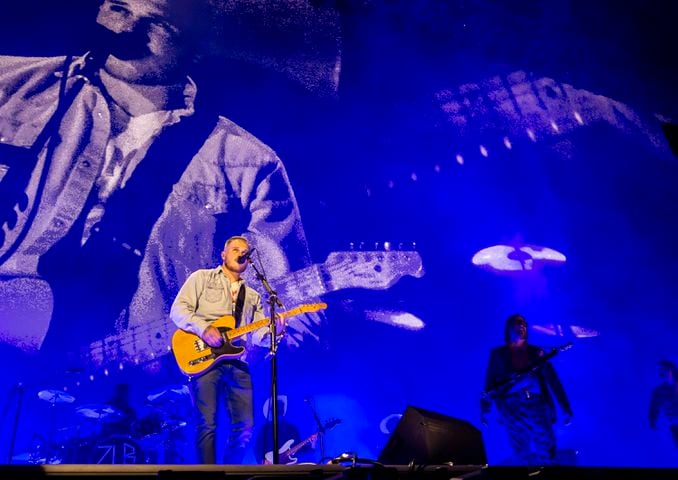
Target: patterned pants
[{"x": 528, "y": 422}]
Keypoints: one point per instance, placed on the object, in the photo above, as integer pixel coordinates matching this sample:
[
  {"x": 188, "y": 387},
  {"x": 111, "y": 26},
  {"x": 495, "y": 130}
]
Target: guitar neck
[
  {"x": 305, "y": 283},
  {"x": 299, "y": 445},
  {"x": 238, "y": 332}
]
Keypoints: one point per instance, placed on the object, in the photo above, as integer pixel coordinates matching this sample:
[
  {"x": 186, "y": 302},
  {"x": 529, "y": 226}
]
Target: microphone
[{"x": 243, "y": 258}]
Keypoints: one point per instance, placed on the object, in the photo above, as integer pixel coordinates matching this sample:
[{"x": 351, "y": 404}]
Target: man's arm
[
  {"x": 655, "y": 406},
  {"x": 185, "y": 305},
  {"x": 486, "y": 399},
  {"x": 557, "y": 388}
]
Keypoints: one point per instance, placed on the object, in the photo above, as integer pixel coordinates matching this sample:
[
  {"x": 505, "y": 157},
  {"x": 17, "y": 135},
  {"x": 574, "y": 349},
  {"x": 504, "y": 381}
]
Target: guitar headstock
[
  {"x": 375, "y": 270},
  {"x": 331, "y": 423},
  {"x": 310, "y": 307}
]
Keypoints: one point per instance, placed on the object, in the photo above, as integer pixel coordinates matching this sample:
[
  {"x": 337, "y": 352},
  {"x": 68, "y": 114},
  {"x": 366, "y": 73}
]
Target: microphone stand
[
  {"x": 273, "y": 301},
  {"x": 321, "y": 429}
]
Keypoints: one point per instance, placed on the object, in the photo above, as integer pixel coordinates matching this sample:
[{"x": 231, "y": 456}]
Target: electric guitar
[
  {"x": 286, "y": 451},
  {"x": 501, "y": 386},
  {"x": 195, "y": 357}
]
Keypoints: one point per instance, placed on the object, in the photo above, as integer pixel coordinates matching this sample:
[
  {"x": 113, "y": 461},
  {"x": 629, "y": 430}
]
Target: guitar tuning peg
[
  {"x": 400, "y": 246},
  {"x": 361, "y": 246},
  {"x": 376, "y": 245},
  {"x": 387, "y": 246},
  {"x": 351, "y": 246}
]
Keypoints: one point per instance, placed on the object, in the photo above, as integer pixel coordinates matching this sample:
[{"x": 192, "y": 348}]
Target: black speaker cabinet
[{"x": 430, "y": 438}]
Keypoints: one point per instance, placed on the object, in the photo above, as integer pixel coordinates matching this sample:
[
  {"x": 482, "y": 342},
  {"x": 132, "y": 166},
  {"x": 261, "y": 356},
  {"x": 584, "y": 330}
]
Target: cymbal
[
  {"x": 559, "y": 330},
  {"x": 173, "y": 424},
  {"x": 98, "y": 411},
  {"x": 509, "y": 258},
  {"x": 55, "y": 396},
  {"x": 171, "y": 393}
]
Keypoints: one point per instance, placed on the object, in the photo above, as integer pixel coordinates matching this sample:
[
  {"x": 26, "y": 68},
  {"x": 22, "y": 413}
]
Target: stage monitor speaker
[{"x": 423, "y": 437}]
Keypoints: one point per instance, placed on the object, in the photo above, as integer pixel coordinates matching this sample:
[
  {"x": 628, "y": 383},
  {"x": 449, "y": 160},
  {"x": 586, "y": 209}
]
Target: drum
[{"x": 117, "y": 450}]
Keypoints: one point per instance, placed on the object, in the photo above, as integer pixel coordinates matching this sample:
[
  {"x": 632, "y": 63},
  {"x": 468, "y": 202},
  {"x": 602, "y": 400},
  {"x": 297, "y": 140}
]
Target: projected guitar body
[{"x": 373, "y": 270}]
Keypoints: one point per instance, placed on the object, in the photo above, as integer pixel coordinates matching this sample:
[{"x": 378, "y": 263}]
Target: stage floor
[{"x": 330, "y": 471}]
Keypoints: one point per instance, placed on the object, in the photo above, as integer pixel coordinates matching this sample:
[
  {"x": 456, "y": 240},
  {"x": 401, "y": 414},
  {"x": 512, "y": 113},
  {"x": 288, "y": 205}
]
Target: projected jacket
[{"x": 51, "y": 200}]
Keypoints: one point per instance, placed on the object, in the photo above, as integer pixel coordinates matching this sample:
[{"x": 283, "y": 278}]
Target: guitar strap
[{"x": 239, "y": 303}]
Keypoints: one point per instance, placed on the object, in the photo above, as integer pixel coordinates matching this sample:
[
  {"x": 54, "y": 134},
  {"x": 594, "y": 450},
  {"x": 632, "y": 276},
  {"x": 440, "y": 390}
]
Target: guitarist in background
[
  {"x": 288, "y": 434},
  {"x": 664, "y": 399},
  {"x": 207, "y": 295},
  {"x": 522, "y": 383}
]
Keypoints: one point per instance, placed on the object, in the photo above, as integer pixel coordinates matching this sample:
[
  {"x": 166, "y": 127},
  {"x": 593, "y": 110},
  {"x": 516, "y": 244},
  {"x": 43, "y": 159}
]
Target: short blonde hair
[{"x": 236, "y": 237}]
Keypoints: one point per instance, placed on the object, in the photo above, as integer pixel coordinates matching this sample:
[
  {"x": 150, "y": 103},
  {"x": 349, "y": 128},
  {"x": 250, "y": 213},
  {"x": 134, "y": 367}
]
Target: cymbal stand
[
  {"x": 51, "y": 451},
  {"x": 273, "y": 301},
  {"x": 19, "y": 403}
]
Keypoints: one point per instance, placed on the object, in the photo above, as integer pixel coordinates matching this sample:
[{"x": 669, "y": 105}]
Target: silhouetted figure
[
  {"x": 522, "y": 383},
  {"x": 664, "y": 399}
]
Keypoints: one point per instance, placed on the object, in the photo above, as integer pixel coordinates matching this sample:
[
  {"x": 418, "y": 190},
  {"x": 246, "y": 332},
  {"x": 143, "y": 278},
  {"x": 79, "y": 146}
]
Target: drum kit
[{"x": 102, "y": 434}]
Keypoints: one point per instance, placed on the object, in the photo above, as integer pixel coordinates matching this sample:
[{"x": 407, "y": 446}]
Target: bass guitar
[{"x": 195, "y": 357}]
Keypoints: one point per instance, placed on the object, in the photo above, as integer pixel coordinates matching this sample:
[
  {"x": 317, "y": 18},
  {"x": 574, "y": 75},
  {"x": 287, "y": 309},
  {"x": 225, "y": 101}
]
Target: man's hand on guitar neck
[
  {"x": 280, "y": 324},
  {"x": 212, "y": 337}
]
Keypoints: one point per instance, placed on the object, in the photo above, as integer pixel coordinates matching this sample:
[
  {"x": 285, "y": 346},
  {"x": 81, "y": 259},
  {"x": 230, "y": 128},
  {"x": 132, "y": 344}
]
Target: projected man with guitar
[
  {"x": 118, "y": 162},
  {"x": 210, "y": 305}
]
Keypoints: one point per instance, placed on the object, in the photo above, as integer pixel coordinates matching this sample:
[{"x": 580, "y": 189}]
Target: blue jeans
[{"x": 229, "y": 382}]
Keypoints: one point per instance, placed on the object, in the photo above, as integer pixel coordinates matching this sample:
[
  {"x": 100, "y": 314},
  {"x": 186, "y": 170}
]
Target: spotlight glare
[
  {"x": 398, "y": 319},
  {"x": 530, "y": 133},
  {"x": 578, "y": 118}
]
